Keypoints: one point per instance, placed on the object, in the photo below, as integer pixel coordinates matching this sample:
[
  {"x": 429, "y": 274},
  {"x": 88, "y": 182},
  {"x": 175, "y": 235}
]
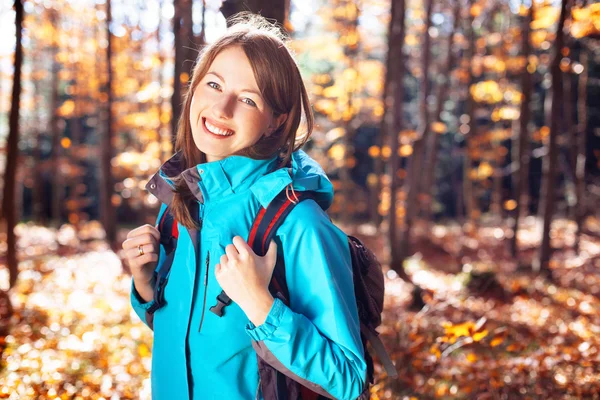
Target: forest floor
[{"x": 490, "y": 329}]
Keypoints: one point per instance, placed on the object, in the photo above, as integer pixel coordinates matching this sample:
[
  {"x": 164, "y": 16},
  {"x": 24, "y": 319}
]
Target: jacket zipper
[{"x": 205, "y": 290}]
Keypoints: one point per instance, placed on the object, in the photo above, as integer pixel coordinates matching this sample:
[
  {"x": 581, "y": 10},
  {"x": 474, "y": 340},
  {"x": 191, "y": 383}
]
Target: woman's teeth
[{"x": 217, "y": 131}]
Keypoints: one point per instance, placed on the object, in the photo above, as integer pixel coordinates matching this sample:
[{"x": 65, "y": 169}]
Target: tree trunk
[
  {"x": 12, "y": 152},
  {"x": 415, "y": 169},
  {"x": 496, "y": 208},
  {"x": 184, "y": 56},
  {"x": 547, "y": 197},
  {"x": 396, "y": 45},
  {"x": 350, "y": 26},
  {"x": 37, "y": 192},
  {"x": 521, "y": 138},
  {"x": 387, "y": 121},
  {"x": 277, "y": 10},
  {"x": 107, "y": 190},
  {"x": 442, "y": 94},
  {"x": 469, "y": 201},
  {"x": 57, "y": 184},
  {"x": 581, "y": 148},
  {"x": 568, "y": 155}
]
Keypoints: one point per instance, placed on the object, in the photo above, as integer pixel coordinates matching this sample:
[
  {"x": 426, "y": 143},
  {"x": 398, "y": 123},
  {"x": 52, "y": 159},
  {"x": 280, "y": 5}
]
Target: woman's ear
[{"x": 276, "y": 123}]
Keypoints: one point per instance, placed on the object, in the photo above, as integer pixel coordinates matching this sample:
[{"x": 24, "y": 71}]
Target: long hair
[{"x": 279, "y": 80}]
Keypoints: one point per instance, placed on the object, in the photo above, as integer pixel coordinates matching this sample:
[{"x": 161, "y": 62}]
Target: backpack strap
[
  {"x": 263, "y": 230},
  {"x": 169, "y": 233},
  {"x": 378, "y": 347}
]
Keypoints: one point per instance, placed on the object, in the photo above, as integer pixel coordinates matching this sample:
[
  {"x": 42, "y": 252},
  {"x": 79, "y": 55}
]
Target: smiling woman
[
  {"x": 223, "y": 328},
  {"x": 228, "y": 114}
]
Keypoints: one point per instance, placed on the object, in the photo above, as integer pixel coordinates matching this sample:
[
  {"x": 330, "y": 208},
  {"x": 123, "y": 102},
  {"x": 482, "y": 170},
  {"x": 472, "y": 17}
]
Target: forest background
[{"x": 461, "y": 136}]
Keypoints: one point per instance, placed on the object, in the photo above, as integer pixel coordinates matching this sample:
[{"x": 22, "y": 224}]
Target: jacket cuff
[
  {"x": 266, "y": 329},
  {"x": 137, "y": 301}
]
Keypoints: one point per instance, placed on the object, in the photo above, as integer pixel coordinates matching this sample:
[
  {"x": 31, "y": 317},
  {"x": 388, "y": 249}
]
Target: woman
[{"x": 239, "y": 127}]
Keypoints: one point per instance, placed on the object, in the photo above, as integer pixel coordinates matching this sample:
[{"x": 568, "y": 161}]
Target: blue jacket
[{"x": 198, "y": 355}]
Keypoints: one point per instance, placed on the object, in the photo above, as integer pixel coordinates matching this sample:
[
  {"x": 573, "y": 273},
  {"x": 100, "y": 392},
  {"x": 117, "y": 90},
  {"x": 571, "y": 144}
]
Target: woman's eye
[
  {"x": 214, "y": 85},
  {"x": 249, "y": 102}
]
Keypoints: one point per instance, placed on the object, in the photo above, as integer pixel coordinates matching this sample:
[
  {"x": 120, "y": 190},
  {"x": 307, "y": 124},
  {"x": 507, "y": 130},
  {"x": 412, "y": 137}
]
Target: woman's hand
[
  {"x": 245, "y": 277},
  {"x": 141, "y": 252}
]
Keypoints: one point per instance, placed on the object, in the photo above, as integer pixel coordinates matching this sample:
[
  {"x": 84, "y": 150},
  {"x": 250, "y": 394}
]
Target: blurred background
[{"x": 462, "y": 138}]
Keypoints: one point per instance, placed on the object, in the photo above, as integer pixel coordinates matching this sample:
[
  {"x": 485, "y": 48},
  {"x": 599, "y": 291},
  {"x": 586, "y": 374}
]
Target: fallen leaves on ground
[{"x": 74, "y": 335}]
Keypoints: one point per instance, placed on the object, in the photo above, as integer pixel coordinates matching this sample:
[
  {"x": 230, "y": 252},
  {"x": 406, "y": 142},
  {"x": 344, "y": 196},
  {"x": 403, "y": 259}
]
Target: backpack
[{"x": 368, "y": 289}]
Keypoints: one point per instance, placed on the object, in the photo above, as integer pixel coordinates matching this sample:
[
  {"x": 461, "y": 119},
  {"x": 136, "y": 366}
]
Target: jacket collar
[{"x": 216, "y": 180}]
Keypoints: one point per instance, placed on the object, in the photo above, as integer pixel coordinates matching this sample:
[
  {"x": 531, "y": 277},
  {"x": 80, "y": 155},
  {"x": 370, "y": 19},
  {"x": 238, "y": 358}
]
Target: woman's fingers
[
  {"x": 223, "y": 260},
  {"x": 147, "y": 248},
  {"x": 232, "y": 252},
  {"x": 144, "y": 229},
  {"x": 241, "y": 246},
  {"x": 143, "y": 260},
  {"x": 142, "y": 238}
]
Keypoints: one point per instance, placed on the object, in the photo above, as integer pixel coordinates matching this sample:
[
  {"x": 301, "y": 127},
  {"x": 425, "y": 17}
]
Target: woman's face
[{"x": 227, "y": 111}]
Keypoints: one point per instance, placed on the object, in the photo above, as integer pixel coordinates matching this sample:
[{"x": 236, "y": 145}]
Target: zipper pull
[{"x": 207, "y": 265}]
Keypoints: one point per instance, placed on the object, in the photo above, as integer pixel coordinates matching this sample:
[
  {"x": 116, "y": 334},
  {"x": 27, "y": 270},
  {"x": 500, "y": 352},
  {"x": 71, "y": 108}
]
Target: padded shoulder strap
[
  {"x": 169, "y": 233},
  {"x": 270, "y": 219},
  {"x": 263, "y": 230}
]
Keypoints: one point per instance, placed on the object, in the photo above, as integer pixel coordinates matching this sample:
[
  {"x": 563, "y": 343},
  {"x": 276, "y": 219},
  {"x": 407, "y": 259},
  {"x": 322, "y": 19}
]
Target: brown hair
[{"x": 279, "y": 80}]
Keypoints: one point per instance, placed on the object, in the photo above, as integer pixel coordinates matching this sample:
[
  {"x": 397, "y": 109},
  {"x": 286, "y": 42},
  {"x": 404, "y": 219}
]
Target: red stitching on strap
[
  {"x": 257, "y": 222},
  {"x": 275, "y": 218},
  {"x": 175, "y": 229}
]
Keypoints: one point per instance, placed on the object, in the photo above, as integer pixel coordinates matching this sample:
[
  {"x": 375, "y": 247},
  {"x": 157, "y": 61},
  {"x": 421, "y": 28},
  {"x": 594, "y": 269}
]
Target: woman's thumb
[{"x": 271, "y": 256}]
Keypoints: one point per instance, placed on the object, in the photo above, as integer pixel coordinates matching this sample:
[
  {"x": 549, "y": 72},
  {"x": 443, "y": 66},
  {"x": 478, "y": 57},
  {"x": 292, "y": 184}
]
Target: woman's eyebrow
[{"x": 243, "y": 90}]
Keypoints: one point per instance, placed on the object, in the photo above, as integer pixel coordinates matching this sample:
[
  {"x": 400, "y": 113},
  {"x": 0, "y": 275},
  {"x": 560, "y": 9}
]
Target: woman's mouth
[{"x": 216, "y": 131}]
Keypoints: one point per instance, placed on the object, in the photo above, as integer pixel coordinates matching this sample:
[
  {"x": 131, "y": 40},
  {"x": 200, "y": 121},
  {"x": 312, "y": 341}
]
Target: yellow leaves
[
  {"x": 485, "y": 170},
  {"x": 510, "y": 205},
  {"x": 585, "y": 21},
  {"x": 386, "y": 151},
  {"x": 545, "y": 17},
  {"x": 325, "y": 106},
  {"x": 411, "y": 40},
  {"x": 65, "y": 143},
  {"x": 486, "y": 92},
  {"x": 478, "y": 336},
  {"x": 337, "y": 152},
  {"x": 333, "y": 91},
  {"x": 405, "y": 150},
  {"x": 321, "y": 79},
  {"x": 505, "y": 113},
  {"x": 144, "y": 350},
  {"x": 438, "y": 127},
  {"x": 475, "y": 10},
  {"x": 66, "y": 109},
  {"x": 374, "y": 151},
  {"x": 470, "y": 329}
]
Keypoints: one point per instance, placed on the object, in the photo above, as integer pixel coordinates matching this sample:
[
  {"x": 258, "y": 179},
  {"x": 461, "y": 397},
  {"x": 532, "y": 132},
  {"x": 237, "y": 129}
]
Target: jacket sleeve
[
  {"x": 140, "y": 305},
  {"x": 318, "y": 338}
]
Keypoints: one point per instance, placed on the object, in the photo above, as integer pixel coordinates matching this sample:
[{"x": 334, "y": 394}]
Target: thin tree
[
  {"x": 184, "y": 56},
  {"x": 57, "y": 184},
  {"x": 547, "y": 196},
  {"x": 397, "y": 62},
  {"x": 467, "y": 193},
  {"x": 415, "y": 168},
  {"x": 273, "y": 10},
  {"x": 442, "y": 94},
  {"x": 107, "y": 189},
  {"x": 581, "y": 148},
  {"x": 521, "y": 138},
  {"x": 12, "y": 152},
  {"x": 349, "y": 27},
  {"x": 387, "y": 127}
]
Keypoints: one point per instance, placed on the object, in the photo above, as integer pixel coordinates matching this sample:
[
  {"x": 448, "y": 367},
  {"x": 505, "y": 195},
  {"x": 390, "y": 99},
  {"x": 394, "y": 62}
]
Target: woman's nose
[{"x": 224, "y": 107}]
